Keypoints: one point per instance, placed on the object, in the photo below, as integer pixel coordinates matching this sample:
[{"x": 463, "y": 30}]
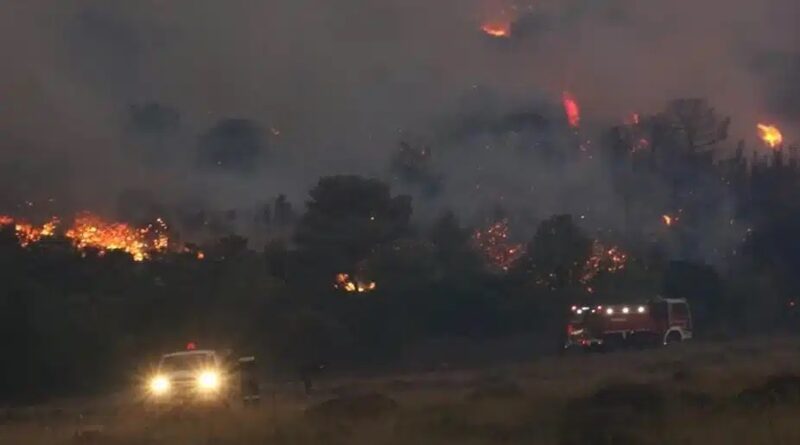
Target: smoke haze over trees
[
  {"x": 338, "y": 162},
  {"x": 109, "y": 96}
]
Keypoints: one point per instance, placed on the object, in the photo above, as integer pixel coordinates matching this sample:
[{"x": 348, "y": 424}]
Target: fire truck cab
[{"x": 661, "y": 321}]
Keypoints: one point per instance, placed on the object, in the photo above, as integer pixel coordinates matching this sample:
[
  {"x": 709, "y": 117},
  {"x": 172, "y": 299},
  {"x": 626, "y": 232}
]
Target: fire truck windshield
[{"x": 581, "y": 316}]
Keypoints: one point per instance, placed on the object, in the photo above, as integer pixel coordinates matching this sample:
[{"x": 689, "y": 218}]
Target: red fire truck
[{"x": 656, "y": 322}]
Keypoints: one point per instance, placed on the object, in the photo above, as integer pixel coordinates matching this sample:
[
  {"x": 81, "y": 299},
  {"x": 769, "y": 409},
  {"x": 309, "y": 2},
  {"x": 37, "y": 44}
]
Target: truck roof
[
  {"x": 187, "y": 353},
  {"x": 633, "y": 302}
]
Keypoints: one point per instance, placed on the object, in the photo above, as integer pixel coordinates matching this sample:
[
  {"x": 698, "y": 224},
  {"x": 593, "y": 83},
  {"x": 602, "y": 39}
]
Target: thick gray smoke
[{"x": 225, "y": 104}]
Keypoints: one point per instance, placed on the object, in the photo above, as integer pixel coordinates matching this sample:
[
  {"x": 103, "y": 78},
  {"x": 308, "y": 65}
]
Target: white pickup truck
[{"x": 190, "y": 377}]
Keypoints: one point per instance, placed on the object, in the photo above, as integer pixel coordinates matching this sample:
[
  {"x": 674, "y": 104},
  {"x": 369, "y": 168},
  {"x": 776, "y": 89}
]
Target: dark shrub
[
  {"x": 614, "y": 415},
  {"x": 781, "y": 389}
]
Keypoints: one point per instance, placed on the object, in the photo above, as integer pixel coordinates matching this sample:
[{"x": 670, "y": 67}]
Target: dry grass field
[{"x": 743, "y": 392}]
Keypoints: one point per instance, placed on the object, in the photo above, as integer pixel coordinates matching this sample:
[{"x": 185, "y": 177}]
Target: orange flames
[
  {"x": 668, "y": 220},
  {"x": 500, "y": 30},
  {"x": 28, "y": 233},
  {"x": 603, "y": 259},
  {"x": 343, "y": 282},
  {"x": 572, "y": 109},
  {"x": 496, "y": 248},
  {"x": 91, "y": 231},
  {"x": 771, "y": 135}
]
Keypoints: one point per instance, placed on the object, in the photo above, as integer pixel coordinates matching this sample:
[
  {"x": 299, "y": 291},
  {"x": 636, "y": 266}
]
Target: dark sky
[{"x": 344, "y": 81}]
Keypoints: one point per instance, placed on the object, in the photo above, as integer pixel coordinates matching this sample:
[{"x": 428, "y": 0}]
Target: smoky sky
[{"x": 99, "y": 97}]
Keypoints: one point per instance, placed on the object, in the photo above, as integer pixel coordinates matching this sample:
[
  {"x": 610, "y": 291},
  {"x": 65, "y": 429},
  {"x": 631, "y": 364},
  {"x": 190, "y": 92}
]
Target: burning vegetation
[
  {"x": 346, "y": 283},
  {"x": 771, "y": 135},
  {"x": 497, "y": 20},
  {"x": 28, "y": 233},
  {"x": 89, "y": 231},
  {"x": 497, "y": 29},
  {"x": 495, "y": 246},
  {"x": 603, "y": 259},
  {"x": 669, "y": 220}
]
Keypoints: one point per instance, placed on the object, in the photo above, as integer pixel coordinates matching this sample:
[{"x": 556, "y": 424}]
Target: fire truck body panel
[{"x": 657, "y": 321}]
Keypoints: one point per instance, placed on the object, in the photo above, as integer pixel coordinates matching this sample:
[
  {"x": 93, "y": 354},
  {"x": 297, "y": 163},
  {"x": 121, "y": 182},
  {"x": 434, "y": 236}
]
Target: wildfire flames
[
  {"x": 29, "y": 233},
  {"x": 668, "y": 220},
  {"x": 91, "y": 231},
  {"x": 500, "y": 30},
  {"x": 497, "y": 18},
  {"x": 572, "y": 109},
  {"x": 494, "y": 244},
  {"x": 603, "y": 259},
  {"x": 771, "y": 135},
  {"x": 345, "y": 283}
]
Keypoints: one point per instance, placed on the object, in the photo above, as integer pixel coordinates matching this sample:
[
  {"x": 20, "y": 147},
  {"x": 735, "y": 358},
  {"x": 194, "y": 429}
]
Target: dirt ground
[{"x": 742, "y": 392}]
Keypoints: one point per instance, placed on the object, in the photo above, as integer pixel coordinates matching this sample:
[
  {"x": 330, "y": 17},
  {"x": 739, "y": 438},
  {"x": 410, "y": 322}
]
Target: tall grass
[{"x": 718, "y": 393}]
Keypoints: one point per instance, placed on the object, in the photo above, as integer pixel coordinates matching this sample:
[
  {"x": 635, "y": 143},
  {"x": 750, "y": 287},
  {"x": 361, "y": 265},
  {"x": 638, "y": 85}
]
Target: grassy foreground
[{"x": 744, "y": 392}]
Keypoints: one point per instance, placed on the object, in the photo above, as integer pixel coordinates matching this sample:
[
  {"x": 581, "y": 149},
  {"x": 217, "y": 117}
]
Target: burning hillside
[
  {"x": 89, "y": 231},
  {"x": 29, "y": 233}
]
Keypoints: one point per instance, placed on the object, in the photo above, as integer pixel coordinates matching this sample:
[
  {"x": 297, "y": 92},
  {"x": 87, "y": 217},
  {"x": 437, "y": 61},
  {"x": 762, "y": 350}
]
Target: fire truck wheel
[{"x": 674, "y": 338}]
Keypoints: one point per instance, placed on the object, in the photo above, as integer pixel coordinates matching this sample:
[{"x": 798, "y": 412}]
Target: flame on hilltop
[
  {"x": 603, "y": 259},
  {"x": 497, "y": 29},
  {"x": 496, "y": 248},
  {"x": 572, "y": 109},
  {"x": 771, "y": 135},
  {"x": 497, "y": 18},
  {"x": 91, "y": 231},
  {"x": 343, "y": 282},
  {"x": 668, "y": 220}
]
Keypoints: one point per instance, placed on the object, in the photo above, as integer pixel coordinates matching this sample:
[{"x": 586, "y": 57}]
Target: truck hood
[{"x": 179, "y": 376}]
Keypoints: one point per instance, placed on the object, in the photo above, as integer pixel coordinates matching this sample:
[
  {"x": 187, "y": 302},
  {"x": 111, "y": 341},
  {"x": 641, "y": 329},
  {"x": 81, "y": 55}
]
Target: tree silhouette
[
  {"x": 347, "y": 217},
  {"x": 557, "y": 254}
]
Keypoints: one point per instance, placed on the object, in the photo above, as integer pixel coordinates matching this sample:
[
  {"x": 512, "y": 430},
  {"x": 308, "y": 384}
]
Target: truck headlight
[
  {"x": 159, "y": 385},
  {"x": 208, "y": 380}
]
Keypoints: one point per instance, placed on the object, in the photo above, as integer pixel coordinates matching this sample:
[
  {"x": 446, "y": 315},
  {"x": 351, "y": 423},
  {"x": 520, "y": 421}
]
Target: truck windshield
[
  {"x": 186, "y": 362},
  {"x": 585, "y": 317}
]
